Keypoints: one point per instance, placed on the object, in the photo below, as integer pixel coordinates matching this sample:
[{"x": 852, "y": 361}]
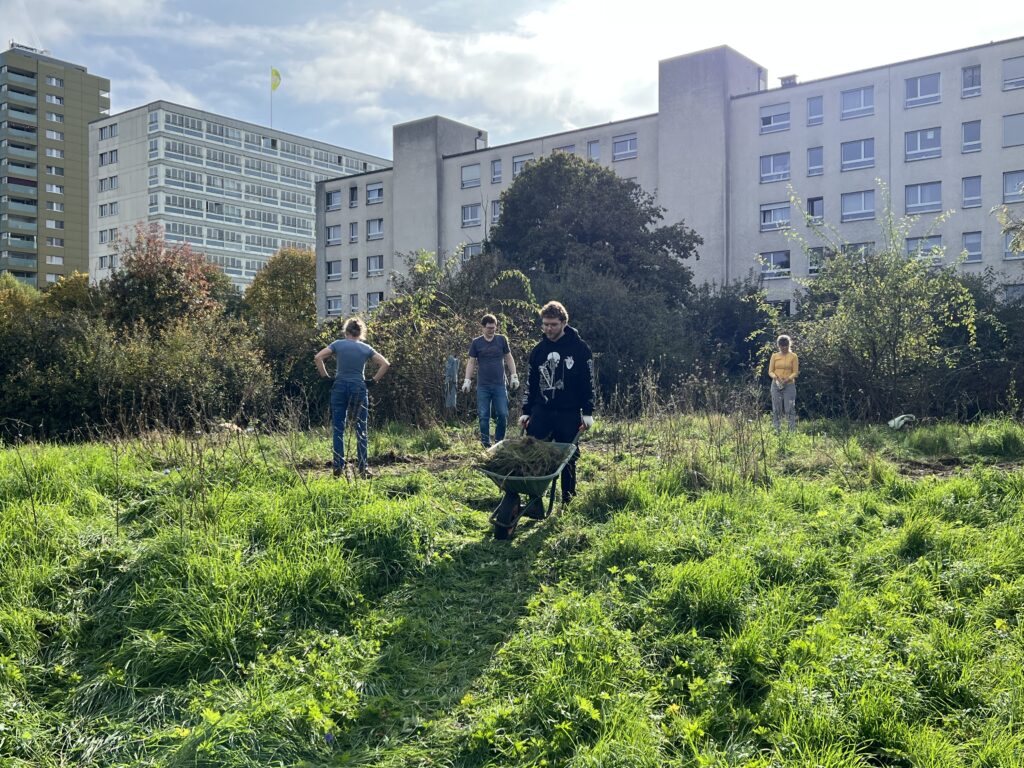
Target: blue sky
[{"x": 517, "y": 69}]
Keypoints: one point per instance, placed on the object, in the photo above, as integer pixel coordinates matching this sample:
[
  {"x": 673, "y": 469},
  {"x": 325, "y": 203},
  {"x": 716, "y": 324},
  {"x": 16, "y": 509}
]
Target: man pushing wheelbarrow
[{"x": 558, "y": 405}]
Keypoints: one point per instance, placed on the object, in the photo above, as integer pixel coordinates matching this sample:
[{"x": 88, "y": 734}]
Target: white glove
[
  {"x": 524, "y": 420},
  {"x": 466, "y": 384},
  {"x": 588, "y": 422},
  {"x": 513, "y": 383}
]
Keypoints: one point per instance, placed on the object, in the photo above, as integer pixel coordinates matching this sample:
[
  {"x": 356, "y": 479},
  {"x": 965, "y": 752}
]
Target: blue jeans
[
  {"x": 345, "y": 396},
  {"x": 487, "y": 397}
]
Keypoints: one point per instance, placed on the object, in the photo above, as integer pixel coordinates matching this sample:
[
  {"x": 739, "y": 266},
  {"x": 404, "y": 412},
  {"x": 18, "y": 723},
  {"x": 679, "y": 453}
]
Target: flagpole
[{"x": 271, "y": 97}]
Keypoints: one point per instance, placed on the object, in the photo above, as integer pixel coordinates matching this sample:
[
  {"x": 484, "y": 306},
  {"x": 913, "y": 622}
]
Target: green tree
[{"x": 877, "y": 327}]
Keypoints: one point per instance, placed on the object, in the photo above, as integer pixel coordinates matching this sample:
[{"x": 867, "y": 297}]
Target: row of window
[
  {"x": 374, "y": 195},
  {"x": 918, "y": 91},
  {"x": 374, "y": 267},
  {"x": 920, "y": 198},
  {"x": 194, "y": 126},
  {"x": 472, "y": 212},
  {"x": 217, "y": 210},
  {"x": 336, "y": 304},
  {"x": 216, "y": 158},
  {"x": 921, "y": 144},
  {"x": 778, "y": 264},
  {"x": 624, "y": 147},
  {"x": 228, "y": 187},
  {"x": 374, "y": 231}
]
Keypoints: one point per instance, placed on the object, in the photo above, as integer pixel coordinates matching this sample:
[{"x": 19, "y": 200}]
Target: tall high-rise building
[
  {"x": 235, "y": 191},
  {"x": 45, "y": 109}
]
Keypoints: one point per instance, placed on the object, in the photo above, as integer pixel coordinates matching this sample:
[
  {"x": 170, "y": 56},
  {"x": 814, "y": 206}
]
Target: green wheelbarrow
[{"x": 506, "y": 515}]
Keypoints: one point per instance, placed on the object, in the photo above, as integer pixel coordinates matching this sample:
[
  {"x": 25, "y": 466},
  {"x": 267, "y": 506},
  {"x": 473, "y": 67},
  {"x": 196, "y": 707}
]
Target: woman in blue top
[{"x": 350, "y": 387}]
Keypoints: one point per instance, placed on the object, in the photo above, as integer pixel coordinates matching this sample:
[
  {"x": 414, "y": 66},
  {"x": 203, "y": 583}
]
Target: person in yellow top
[{"x": 783, "y": 369}]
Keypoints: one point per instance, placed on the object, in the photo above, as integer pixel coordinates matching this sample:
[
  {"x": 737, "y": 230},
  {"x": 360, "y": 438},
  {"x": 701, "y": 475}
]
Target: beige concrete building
[
  {"x": 725, "y": 153},
  {"x": 235, "y": 191},
  {"x": 45, "y": 109}
]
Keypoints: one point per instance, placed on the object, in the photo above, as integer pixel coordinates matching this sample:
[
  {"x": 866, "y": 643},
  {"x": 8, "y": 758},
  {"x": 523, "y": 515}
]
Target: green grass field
[{"x": 714, "y": 597}]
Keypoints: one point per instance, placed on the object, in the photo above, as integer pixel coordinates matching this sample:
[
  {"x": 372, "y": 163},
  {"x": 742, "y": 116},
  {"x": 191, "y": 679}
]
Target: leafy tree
[
  {"x": 875, "y": 329},
  {"x": 564, "y": 212},
  {"x": 157, "y": 283}
]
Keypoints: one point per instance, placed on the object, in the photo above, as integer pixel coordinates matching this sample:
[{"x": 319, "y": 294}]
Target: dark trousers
[{"x": 561, "y": 427}]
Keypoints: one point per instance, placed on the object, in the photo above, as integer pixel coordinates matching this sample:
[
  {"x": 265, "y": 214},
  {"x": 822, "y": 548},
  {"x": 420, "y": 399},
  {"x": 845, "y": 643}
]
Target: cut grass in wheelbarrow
[{"x": 523, "y": 466}]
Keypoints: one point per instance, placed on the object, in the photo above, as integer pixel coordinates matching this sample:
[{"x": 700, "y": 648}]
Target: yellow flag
[{"x": 275, "y": 79}]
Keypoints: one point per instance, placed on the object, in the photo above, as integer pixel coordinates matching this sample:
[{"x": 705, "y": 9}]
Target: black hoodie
[{"x": 561, "y": 375}]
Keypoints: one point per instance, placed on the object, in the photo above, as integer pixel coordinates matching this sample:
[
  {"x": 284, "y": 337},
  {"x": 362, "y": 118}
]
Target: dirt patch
[{"x": 947, "y": 466}]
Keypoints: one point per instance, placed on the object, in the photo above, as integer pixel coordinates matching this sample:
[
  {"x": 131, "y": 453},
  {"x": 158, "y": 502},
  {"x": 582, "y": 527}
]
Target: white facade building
[
  {"x": 235, "y": 191},
  {"x": 723, "y": 153}
]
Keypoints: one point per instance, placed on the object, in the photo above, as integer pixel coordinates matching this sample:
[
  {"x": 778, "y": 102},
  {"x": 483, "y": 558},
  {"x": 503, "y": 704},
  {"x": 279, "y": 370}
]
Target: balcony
[
  {"x": 25, "y": 154},
  {"x": 19, "y": 190},
  {"x": 12, "y": 206},
  {"x": 13, "y": 132},
  {"x": 20, "y": 171},
  {"x": 16, "y": 262},
  {"x": 19, "y": 243},
  {"x": 14, "y": 225},
  {"x": 14, "y": 97},
  {"x": 13, "y": 78}
]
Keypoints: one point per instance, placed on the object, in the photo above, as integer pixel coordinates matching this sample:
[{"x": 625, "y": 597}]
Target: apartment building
[
  {"x": 943, "y": 133},
  {"x": 235, "y": 191},
  {"x": 45, "y": 109}
]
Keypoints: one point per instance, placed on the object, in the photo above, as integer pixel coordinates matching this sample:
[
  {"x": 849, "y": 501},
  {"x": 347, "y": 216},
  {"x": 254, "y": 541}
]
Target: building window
[
  {"x": 774, "y": 264},
  {"x": 971, "y": 136},
  {"x": 519, "y": 163},
  {"x": 774, "y": 167},
  {"x": 924, "y": 198},
  {"x": 108, "y": 158},
  {"x": 56, "y": 82},
  {"x": 469, "y": 250},
  {"x": 55, "y": 242},
  {"x": 334, "y": 307},
  {"x": 375, "y": 193},
  {"x": 54, "y": 152},
  {"x": 55, "y": 189},
  {"x": 108, "y": 209},
  {"x": 55, "y": 224},
  {"x": 353, "y": 197},
  {"x": 624, "y": 147},
  {"x": 857, "y": 154},
  {"x": 569, "y": 149},
  {"x": 107, "y": 183},
  {"x": 375, "y": 265},
  {"x": 55, "y": 170},
  {"x": 495, "y": 211},
  {"x": 815, "y": 210},
  {"x": 334, "y": 270},
  {"x": 471, "y": 175},
  {"x": 353, "y": 302},
  {"x": 471, "y": 215},
  {"x": 55, "y": 135},
  {"x": 54, "y": 99},
  {"x": 53, "y": 259},
  {"x": 54, "y": 206},
  {"x": 1013, "y": 130},
  {"x": 858, "y": 206},
  {"x": 374, "y": 299},
  {"x": 1008, "y": 252},
  {"x": 815, "y": 110},
  {"x": 334, "y": 234},
  {"x": 496, "y": 171},
  {"x": 594, "y": 150},
  {"x": 972, "y": 246},
  {"x": 815, "y": 161},
  {"x": 971, "y": 192},
  {"x": 332, "y": 201},
  {"x": 374, "y": 229},
  {"x": 1013, "y": 73},
  {"x": 353, "y": 231},
  {"x": 55, "y": 117},
  {"x": 970, "y": 81},
  {"x": 353, "y": 267},
  {"x": 862, "y": 250},
  {"x": 923, "y": 144},
  {"x": 1013, "y": 187},
  {"x": 925, "y": 247},
  {"x": 108, "y": 131},
  {"x": 857, "y": 102},
  {"x": 774, "y": 216},
  {"x": 816, "y": 258},
  {"x": 775, "y": 117},
  {"x": 922, "y": 90}
]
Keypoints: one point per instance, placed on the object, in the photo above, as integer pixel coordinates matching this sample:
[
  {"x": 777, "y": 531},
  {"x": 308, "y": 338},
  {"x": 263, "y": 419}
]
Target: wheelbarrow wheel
[
  {"x": 506, "y": 516},
  {"x": 501, "y": 533}
]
